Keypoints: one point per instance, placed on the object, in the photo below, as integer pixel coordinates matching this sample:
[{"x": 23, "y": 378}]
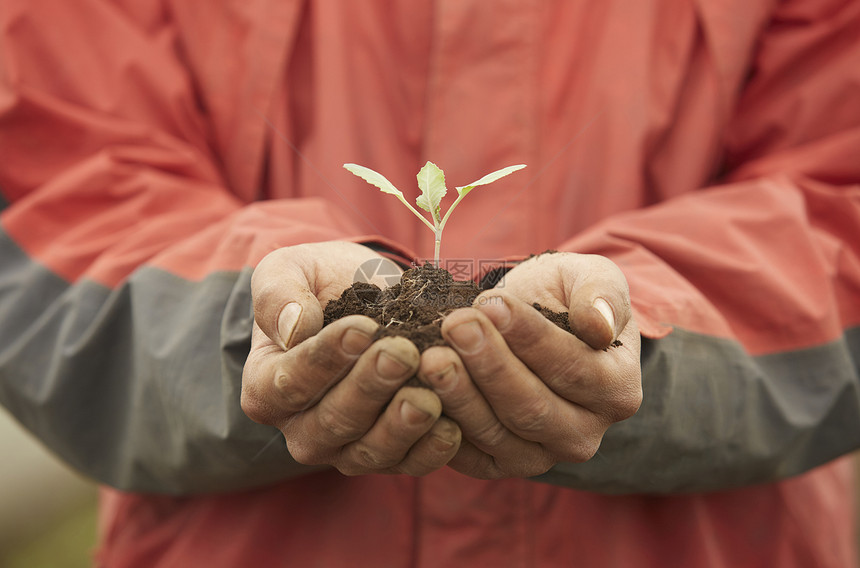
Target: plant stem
[
  {"x": 417, "y": 214},
  {"x": 438, "y": 245},
  {"x": 448, "y": 213}
]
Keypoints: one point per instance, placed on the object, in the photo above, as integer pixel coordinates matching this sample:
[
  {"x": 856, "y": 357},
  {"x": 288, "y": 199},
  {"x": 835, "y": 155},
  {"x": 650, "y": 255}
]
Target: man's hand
[
  {"x": 336, "y": 395},
  {"x": 525, "y": 393}
]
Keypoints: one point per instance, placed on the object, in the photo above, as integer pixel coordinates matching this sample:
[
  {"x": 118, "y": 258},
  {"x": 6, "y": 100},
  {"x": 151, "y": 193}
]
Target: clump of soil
[{"x": 415, "y": 307}]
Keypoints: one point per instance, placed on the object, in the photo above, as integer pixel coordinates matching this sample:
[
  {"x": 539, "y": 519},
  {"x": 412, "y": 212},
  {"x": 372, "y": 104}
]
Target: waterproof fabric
[{"x": 152, "y": 152}]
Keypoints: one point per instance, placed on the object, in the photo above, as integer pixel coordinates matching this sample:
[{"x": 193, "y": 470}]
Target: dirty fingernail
[
  {"x": 445, "y": 380},
  {"x": 411, "y": 414},
  {"x": 355, "y": 341},
  {"x": 288, "y": 321},
  {"x": 467, "y": 336},
  {"x": 605, "y": 310},
  {"x": 389, "y": 367}
]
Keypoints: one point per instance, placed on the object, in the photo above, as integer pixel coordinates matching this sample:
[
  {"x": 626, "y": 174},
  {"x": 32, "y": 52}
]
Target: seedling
[{"x": 431, "y": 182}]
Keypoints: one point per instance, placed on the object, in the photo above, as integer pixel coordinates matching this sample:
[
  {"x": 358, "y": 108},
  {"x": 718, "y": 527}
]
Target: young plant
[{"x": 431, "y": 182}]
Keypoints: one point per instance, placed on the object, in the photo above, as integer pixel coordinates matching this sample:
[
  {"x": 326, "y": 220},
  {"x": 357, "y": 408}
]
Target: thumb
[
  {"x": 285, "y": 306},
  {"x": 598, "y": 301},
  {"x": 593, "y": 320}
]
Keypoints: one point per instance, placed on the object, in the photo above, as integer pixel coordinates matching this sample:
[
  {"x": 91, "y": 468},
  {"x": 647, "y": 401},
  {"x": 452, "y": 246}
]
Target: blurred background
[{"x": 48, "y": 511}]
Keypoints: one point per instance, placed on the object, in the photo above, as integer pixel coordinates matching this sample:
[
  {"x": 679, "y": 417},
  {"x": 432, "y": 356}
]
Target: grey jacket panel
[
  {"x": 713, "y": 417},
  {"x": 137, "y": 387}
]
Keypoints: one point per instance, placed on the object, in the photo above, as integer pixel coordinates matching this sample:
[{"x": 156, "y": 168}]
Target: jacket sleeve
[
  {"x": 125, "y": 311},
  {"x": 747, "y": 293}
]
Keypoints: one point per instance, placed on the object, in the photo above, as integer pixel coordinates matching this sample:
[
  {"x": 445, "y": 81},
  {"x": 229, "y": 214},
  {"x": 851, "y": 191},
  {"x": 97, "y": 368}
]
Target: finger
[
  {"x": 277, "y": 384},
  {"x": 521, "y": 401},
  {"x": 604, "y": 381},
  {"x": 352, "y": 406},
  {"x": 410, "y": 415},
  {"x": 476, "y": 463},
  {"x": 285, "y": 304},
  {"x": 409, "y": 438},
  {"x": 442, "y": 369},
  {"x": 434, "y": 450},
  {"x": 590, "y": 288}
]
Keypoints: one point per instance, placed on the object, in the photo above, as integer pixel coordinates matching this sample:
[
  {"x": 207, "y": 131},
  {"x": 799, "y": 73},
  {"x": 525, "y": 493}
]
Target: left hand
[
  {"x": 335, "y": 394},
  {"x": 525, "y": 393}
]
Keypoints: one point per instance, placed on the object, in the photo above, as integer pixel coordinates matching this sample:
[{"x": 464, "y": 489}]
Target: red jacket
[{"x": 152, "y": 152}]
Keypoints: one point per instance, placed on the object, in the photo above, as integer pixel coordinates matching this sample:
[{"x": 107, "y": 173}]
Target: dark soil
[{"x": 415, "y": 307}]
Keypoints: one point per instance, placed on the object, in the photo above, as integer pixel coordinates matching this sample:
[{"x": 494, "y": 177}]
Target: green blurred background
[{"x": 47, "y": 512}]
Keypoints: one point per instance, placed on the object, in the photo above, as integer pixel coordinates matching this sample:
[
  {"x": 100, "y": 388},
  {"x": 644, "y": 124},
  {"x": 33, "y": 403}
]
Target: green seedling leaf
[
  {"x": 374, "y": 178},
  {"x": 489, "y": 178},
  {"x": 380, "y": 181},
  {"x": 431, "y": 182}
]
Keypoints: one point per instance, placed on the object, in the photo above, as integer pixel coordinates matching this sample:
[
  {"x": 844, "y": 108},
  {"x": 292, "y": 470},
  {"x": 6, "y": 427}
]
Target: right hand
[{"x": 337, "y": 396}]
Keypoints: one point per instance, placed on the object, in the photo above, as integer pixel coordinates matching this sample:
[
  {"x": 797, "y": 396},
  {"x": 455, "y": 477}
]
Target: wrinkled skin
[{"x": 518, "y": 393}]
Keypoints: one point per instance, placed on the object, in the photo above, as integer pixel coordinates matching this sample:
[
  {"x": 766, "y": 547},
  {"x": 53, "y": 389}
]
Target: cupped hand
[
  {"x": 335, "y": 394},
  {"x": 525, "y": 393}
]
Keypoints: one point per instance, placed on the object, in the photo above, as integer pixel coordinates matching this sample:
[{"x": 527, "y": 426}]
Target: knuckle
[
  {"x": 338, "y": 425},
  {"x": 319, "y": 353},
  {"x": 604, "y": 265},
  {"x": 295, "y": 395},
  {"x": 434, "y": 451},
  {"x": 582, "y": 449},
  {"x": 488, "y": 366},
  {"x": 629, "y": 405},
  {"x": 373, "y": 388},
  {"x": 326, "y": 355},
  {"x": 625, "y": 403},
  {"x": 566, "y": 374},
  {"x": 532, "y": 418},
  {"x": 358, "y": 462},
  {"x": 258, "y": 279},
  {"x": 304, "y": 454},
  {"x": 491, "y": 436},
  {"x": 253, "y": 408},
  {"x": 541, "y": 466},
  {"x": 478, "y": 465},
  {"x": 587, "y": 449},
  {"x": 371, "y": 460},
  {"x": 535, "y": 465},
  {"x": 262, "y": 289},
  {"x": 373, "y": 392}
]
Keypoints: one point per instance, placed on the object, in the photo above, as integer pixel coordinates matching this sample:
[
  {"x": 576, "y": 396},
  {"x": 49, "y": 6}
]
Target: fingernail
[
  {"x": 411, "y": 414},
  {"x": 444, "y": 380},
  {"x": 446, "y": 437},
  {"x": 496, "y": 309},
  {"x": 467, "y": 336},
  {"x": 441, "y": 444},
  {"x": 605, "y": 310},
  {"x": 389, "y": 367},
  {"x": 288, "y": 320},
  {"x": 355, "y": 341}
]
